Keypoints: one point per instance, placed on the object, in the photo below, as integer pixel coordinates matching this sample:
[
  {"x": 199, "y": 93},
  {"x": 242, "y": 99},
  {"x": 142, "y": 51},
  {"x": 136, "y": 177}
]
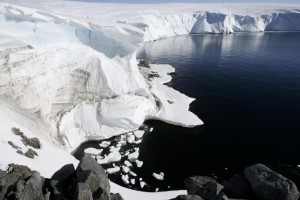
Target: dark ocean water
[{"x": 247, "y": 90}]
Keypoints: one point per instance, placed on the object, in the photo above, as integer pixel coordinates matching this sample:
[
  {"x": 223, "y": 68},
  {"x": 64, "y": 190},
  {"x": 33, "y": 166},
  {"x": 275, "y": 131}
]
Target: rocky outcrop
[
  {"x": 203, "y": 186},
  {"x": 187, "y": 197},
  {"x": 257, "y": 183},
  {"x": 237, "y": 186},
  {"x": 90, "y": 172},
  {"x": 87, "y": 182},
  {"x": 270, "y": 185}
]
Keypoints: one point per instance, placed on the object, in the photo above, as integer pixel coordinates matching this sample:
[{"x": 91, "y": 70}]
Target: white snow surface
[{"x": 68, "y": 77}]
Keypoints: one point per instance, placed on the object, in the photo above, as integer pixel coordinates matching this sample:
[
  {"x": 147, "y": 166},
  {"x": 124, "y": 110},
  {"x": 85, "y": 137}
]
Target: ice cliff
[{"x": 71, "y": 67}]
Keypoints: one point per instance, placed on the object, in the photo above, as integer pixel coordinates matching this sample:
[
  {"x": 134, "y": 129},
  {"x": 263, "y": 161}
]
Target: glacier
[{"x": 69, "y": 73}]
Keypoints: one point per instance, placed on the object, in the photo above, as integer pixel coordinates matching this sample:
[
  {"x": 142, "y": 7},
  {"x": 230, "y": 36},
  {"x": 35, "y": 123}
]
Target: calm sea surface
[{"x": 247, "y": 90}]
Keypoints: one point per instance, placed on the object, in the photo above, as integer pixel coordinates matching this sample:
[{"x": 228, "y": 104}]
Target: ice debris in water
[
  {"x": 110, "y": 158},
  {"x": 105, "y": 144},
  {"x": 139, "y": 163},
  {"x": 113, "y": 170},
  {"x": 133, "y": 156},
  {"x": 159, "y": 176},
  {"x": 125, "y": 179},
  {"x": 139, "y": 134},
  {"x": 142, "y": 184},
  {"x": 93, "y": 151},
  {"x": 125, "y": 169}
]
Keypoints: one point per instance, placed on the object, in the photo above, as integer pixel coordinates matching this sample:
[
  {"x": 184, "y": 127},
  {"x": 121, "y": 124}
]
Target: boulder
[
  {"x": 238, "y": 187},
  {"x": 56, "y": 190},
  {"x": 33, "y": 142},
  {"x": 63, "y": 181},
  {"x": 116, "y": 196},
  {"x": 269, "y": 185},
  {"x": 90, "y": 172},
  {"x": 220, "y": 196},
  {"x": 188, "y": 197},
  {"x": 203, "y": 186},
  {"x": 83, "y": 192},
  {"x": 30, "y": 153},
  {"x": 33, "y": 188}
]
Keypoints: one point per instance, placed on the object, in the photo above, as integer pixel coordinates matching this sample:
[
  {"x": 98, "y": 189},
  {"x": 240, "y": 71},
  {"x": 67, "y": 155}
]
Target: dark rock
[
  {"x": 20, "y": 152},
  {"x": 269, "y": 185},
  {"x": 56, "y": 190},
  {"x": 83, "y": 192},
  {"x": 203, "y": 186},
  {"x": 19, "y": 188},
  {"x": 13, "y": 145},
  {"x": 116, "y": 196},
  {"x": 290, "y": 172},
  {"x": 30, "y": 153},
  {"x": 33, "y": 189},
  {"x": 238, "y": 187},
  {"x": 188, "y": 197},
  {"x": 17, "y": 131},
  {"x": 144, "y": 63},
  {"x": 220, "y": 196},
  {"x": 33, "y": 142},
  {"x": 63, "y": 173},
  {"x": 22, "y": 170},
  {"x": 90, "y": 172},
  {"x": 63, "y": 182},
  {"x": 3, "y": 184}
]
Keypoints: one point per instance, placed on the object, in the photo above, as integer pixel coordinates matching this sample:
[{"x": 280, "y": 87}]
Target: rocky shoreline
[{"x": 89, "y": 181}]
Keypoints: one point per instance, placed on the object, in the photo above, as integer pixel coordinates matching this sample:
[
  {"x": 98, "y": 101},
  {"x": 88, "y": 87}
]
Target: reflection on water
[{"x": 247, "y": 88}]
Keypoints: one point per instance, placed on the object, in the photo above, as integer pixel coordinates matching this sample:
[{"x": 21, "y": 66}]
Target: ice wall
[{"x": 75, "y": 74}]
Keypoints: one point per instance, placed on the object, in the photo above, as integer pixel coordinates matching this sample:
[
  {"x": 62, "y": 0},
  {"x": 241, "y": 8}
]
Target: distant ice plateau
[{"x": 69, "y": 73}]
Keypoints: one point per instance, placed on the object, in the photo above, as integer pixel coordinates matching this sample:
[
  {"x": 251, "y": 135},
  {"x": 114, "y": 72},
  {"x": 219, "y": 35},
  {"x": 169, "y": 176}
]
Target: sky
[{"x": 196, "y": 1}]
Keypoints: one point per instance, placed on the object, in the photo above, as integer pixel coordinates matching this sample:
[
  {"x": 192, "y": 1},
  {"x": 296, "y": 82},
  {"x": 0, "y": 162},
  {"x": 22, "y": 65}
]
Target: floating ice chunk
[
  {"x": 132, "y": 181},
  {"x": 156, "y": 190},
  {"x": 142, "y": 184},
  {"x": 127, "y": 153},
  {"x": 122, "y": 142},
  {"x": 125, "y": 169},
  {"x": 104, "y": 144},
  {"x": 131, "y": 139},
  {"x": 298, "y": 165},
  {"x": 114, "y": 149},
  {"x": 113, "y": 170},
  {"x": 139, "y": 163},
  {"x": 110, "y": 158},
  {"x": 140, "y": 179},
  {"x": 139, "y": 134},
  {"x": 127, "y": 163},
  {"x": 129, "y": 134},
  {"x": 99, "y": 157},
  {"x": 159, "y": 176},
  {"x": 133, "y": 156},
  {"x": 132, "y": 173},
  {"x": 151, "y": 129},
  {"x": 125, "y": 179},
  {"x": 93, "y": 151},
  {"x": 137, "y": 142}
]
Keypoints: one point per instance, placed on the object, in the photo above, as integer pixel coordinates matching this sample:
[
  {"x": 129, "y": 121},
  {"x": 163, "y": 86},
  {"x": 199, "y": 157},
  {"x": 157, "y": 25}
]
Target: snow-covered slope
[{"x": 68, "y": 70}]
